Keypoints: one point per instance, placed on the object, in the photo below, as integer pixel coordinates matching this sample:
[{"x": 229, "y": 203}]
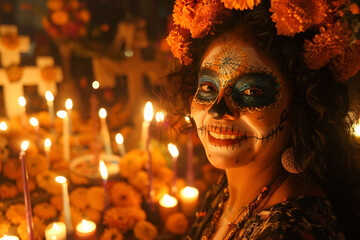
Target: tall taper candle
[
  {"x": 50, "y": 103},
  {"x": 105, "y": 130},
  {"x": 66, "y": 135},
  {"x": 174, "y": 153},
  {"x": 69, "y": 106},
  {"x": 66, "y": 204},
  {"x": 28, "y": 213},
  {"x": 22, "y": 103},
  {"x": 120, "y": 143},
  {"x": 104, "y": 176}
]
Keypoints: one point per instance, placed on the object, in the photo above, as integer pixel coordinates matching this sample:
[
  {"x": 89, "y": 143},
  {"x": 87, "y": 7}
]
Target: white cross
[
  {"x": 11, "y": 56},
  {"x": 32, "y": 75}
]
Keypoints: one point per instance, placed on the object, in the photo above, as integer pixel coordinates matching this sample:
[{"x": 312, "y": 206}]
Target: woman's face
[{"x": 241, "y": 105}]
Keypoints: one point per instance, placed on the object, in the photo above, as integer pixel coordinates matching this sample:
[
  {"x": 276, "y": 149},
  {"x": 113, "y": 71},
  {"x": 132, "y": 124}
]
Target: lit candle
[
  {"x": 95, "y": 84},
  {"x": 148, "y": 116},
  {"x": 189, "y": 200},
  {"x": 86, "y": 230},
  {"x": 9, "y": 237},
  {"x": 120, "y": 143},
  {"x": 3, "y": 126},
  {"x": 190, "y": 153},
  {"x": 105, "y": 130},
  {"x": 104, "y": 176},
  {"x": 356, "y": 131},
  {"x": 66, "y": 135},
  {"x": 174, "y": 153},
  {"x": 50, "y": 103},
  {"x": 69, "y": 106},
  {"x": 66, "y": 204},
  {"x": 167, "y": 206},
  {"x": 22, "y": 103},
  {"x": 27, "y": 200},
  {"x": 55, "y": 231},
  {"x": 47, "y": 146},
  {"x": 160, "y": 116},
  {"x": 35, "y": 123}
]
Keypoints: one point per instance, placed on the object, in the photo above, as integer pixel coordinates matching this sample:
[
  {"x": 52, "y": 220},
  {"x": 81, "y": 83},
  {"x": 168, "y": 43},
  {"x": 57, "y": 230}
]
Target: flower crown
[{"x": 336, "y": 44}]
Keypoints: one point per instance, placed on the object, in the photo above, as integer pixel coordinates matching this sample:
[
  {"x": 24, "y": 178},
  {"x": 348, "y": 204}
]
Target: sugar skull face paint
[{"x": 241, "y": 104}]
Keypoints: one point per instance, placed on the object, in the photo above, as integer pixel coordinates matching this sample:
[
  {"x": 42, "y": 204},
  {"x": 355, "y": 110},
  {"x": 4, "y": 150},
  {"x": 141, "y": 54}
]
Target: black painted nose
[{"x": 218, "y": 110}]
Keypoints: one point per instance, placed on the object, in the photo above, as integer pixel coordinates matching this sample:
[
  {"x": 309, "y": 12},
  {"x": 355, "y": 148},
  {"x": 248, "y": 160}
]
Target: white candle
[
  {"x": 27, "y": 200},
  {"x": 22, "y": 104},
  {"x": 86, "y": 230},
  {"x": 167, "y": 206},
  {"x": 3, "y": 126},
  {"x": 66, "y": 203},
  {"x": 9, "y": 237},
  {"x": 189, "y": 200},
  {"x": 105, "y": 130},
  {"x": 120, "y": 143},
  {"x": 35, "y": 123},
  {"x": 69, "y": 106},
  {"x": 47, "y": 146},
  {"x": 174, "y": 153},
  {"x": 50, "y": 103},
  {"x": 66, "y": 135},
  {"x": 104, "y": 176},
  {"x": 148, "y": 116},
  {"x": 55, "y": 231}
]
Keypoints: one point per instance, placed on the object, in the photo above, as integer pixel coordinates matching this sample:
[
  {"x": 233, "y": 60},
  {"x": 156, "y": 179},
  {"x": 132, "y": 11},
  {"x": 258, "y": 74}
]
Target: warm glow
[
  {"x": 24, "y": 145},
  {"x": 357, "y": 130},
  {"x": 160, "y": 116},
  {"x": 119, "y": 138},
  {"x": 168, "y": 201},
  {"x": 3, "y": 126},
  {"x": 189, "y": 193},
  {"x": 102, "y": 113},
  {"x": 187, "y": 119},
  {"x": 60, "y": 179},
  {"x": 6, "y": 237},
  {"x": 148, "y": 112},
  {"x": 61, "y": 114},
  {"x": 49, "y": 96},
  {"x": 68, "y": 104},
  {"x": 47, "y": 143},
  {"x": 22, "y": 101},
  {"x": 95, "y": 84},
  {"x": 173, "y": 150},
  {"x": 34, "y": 122},
  {"x": 55, "y": 226},
  {"x": 86, "y": 226},
  {"x": 103, "y": 170}
]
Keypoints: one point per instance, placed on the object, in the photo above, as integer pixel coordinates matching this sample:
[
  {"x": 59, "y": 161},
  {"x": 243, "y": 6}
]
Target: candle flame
[
  {"x": 49, "y": 96},
  {"x": 187, "y": 119},
  {"x": 47, "y": 143},
  {"x": 24, "y": 145},
  {"x": 357, "y": 129},
  {"x": 189, "y": 192},
  {"x": 55, "y": 226},
  {"x": 34, "y": 122},
  {"x": 173, "y": 150},
  {"x": 119, "y": 138},
  {"x": 160, "y": 116},
  {"x": 148, "y": 111},
  {"x": 22, "y": 101},
  {"x": 3, "y": 126},
  {"x": 168, "y": 201},
  {"x": 61, "y": 114},
  {"x": 95, "y": 84},
  {"x": 102, "y": 113},
  {"x": 103, "y": 170},
  {"x": 60, "y": 179},
  {"x": 68, "y": 104}
]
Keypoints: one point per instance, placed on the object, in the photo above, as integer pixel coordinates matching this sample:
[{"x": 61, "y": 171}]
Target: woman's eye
[
  {"x": 208, "y": 87},
  {"x": 252, "y": 92}
]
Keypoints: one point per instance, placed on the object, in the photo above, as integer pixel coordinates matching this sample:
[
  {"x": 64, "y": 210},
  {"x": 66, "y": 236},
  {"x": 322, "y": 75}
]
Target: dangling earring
[{"x": 288, "y": 161}]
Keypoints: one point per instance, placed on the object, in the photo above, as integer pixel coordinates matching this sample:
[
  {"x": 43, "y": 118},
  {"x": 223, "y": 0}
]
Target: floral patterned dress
[{"x": 301, "y": 218}]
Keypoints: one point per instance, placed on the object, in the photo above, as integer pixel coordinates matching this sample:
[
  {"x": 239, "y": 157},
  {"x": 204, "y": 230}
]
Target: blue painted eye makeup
[
  {"x": 255, "y": 90},
  {"x": 208, "y": 89}
]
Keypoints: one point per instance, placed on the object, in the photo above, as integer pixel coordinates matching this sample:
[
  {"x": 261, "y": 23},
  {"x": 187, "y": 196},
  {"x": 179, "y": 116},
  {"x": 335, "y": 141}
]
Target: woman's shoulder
[{"x": 309, "y": 217}]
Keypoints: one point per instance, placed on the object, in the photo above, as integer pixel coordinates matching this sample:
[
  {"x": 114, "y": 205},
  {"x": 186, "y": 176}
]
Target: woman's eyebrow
[{"x": 207, "y": 71}]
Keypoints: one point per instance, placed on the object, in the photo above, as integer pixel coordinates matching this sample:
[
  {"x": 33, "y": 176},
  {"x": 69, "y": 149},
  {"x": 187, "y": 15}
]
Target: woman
[{"x": 269, "y": 113}]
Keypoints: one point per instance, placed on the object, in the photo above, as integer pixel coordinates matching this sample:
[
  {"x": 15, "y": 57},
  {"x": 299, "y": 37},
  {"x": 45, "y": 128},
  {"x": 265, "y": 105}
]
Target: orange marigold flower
[
  {"x": 206, "y": 15},
  {"x": 347, "y": 65},
  {"x": 293, "y": 17},
  {"x": 326, "y": 45},
  {"x": 354, "y": 8},
  {"x": 179, "y": 41},
  {"x": 240, "y": 4},
  {"x": 183, "y": 13}
]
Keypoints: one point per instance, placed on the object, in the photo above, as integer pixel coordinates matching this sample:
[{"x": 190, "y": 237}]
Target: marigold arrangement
[{"x": 335, "y": 25}]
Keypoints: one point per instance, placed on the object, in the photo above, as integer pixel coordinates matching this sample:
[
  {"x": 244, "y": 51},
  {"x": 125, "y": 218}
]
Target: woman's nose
[{"x": 221, "y": 110}]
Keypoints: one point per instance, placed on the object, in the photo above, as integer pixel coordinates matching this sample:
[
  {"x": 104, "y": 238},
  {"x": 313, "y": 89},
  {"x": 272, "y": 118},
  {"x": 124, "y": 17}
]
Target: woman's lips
[{"x": 226, "y": 139}]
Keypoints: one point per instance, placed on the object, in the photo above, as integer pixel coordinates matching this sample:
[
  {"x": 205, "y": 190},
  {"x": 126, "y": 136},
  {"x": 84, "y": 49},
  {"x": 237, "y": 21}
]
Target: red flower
[
  {"x": 326, "y": 45},
  {"x": 292, "y": 17},
  {"x": 240, "y": 4},
  {"x": 179, "y": 41},
  {"x": 183, "y": 13}
]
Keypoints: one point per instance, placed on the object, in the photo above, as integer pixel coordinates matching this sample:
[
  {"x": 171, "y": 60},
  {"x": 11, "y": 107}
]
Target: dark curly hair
[{"x": 319, "y": 124}]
